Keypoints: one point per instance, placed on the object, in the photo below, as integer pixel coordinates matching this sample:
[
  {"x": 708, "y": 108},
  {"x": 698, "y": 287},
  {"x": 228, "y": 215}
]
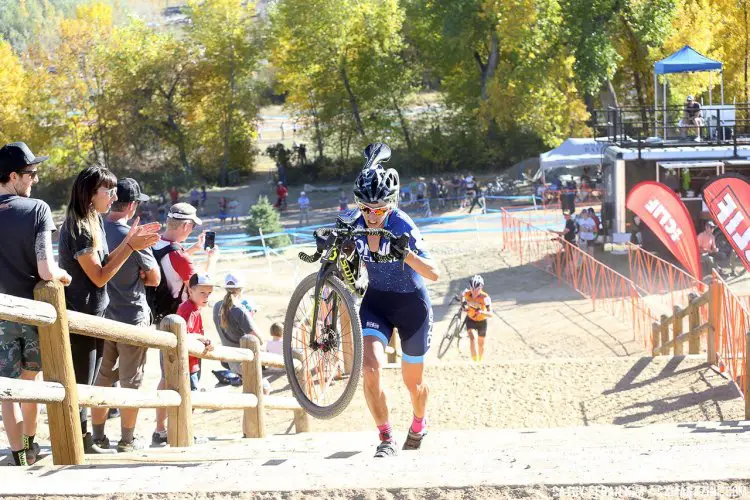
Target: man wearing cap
[
  {"x": 692, "y": 117},
  {"x": 304, "y": 208},
  {"x": 710, "y": 253},
  {"x": 127, "y": 304},
  {"x": 25, "y": 259},
  {"x": 178, "y": 267}
]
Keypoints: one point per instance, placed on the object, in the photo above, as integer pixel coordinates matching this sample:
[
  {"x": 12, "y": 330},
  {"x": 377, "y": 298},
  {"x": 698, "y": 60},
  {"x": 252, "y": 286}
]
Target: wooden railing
[
  {"x": 63, "y": 396},
  {"x": 663, "y": 341}
]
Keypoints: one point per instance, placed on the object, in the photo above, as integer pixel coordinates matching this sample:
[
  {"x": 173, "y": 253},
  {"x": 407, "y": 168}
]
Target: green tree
[
  {"x": 225, "y": 32},
  {"x": 341, "y": 64},
  {"x": 265, "y": 218}
]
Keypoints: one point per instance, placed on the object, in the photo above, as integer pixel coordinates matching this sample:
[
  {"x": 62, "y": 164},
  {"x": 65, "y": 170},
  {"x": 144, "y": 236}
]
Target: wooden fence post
[
  {"x": 655, "y": 338},
  {"x": 177, "y": 371},
  {"x": 57, "y": 365},
  {"x": 694, "y": 344},
  {"x": 677, "y": 320},
  {"x": 664, "y": 332},
  {"x": 715, "y": 305},
  {"x": 253, "y": 419},
  {"x": 301, "y": 418},
  {"x": 396, "y": 344},
  {"x": 747, "y": 376}
]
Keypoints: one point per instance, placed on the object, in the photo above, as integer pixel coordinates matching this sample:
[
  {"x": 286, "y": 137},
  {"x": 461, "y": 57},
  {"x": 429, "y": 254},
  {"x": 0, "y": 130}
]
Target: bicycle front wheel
[
  {"x": 330, "y": 365},
  {"x": 445, "y": 344}
]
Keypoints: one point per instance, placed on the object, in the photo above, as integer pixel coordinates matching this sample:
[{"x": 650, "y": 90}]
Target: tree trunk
[
  {"x": 352, "y": 100},
  {"x": 316, "y": 122},
  {"x": 224, "y": 174},
  {"x": 613, "y": 94},
  {"x": 404, "y": 126},
  {"x": 487, "y": 71},
  {"x": 639, "y": 57}
]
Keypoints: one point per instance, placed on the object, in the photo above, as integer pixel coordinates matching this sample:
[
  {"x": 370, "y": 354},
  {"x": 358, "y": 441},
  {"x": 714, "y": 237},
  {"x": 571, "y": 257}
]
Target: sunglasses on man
[{"x": 33, "y": 173}]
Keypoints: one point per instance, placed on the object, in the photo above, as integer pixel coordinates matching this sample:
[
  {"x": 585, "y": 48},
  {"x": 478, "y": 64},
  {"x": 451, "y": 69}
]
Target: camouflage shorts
[{"x": 19, "y": 349}]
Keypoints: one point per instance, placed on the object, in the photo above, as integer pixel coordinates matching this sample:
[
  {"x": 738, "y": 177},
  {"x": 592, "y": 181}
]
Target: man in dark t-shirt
[
  {"x": 692, "y": 117},
  {"x": 25, "y": 259}
]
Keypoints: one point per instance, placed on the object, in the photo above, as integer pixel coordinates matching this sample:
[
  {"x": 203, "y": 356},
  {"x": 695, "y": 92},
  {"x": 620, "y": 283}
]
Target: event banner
[
  {"x": 728, "y": 200},
  {"x": 666, "y": 215}
]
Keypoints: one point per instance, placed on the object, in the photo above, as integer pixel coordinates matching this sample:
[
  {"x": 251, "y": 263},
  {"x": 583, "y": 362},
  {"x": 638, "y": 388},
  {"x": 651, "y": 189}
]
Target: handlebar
[{"x": 347, "y": 231}]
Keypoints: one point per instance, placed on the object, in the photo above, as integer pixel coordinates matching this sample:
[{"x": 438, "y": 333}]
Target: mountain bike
[
  {"x": 456, "y": 330},
  {"x": 321, "y": 328}
]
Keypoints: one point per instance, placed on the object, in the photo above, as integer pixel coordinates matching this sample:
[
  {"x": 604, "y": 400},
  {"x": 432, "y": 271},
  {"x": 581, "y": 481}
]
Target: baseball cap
[
  {"x": 566, "y": 212},
  {"x": 184, "y": 211},
  {"x": 128, "y": 190},
  {"x": 232, "y": 281},
  {"x": 302, "y": 193},
  {"x": 201, "y": 279},
  {"x": 689, "y": 98},
  {"x": 16, "y": 155}
]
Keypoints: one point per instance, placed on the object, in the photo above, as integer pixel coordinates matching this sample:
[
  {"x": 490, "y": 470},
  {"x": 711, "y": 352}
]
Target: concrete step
[{"x": 598, "y": 455}]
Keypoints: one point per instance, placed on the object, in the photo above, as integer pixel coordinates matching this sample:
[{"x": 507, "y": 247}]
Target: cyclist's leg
[
  {"x": 482, "y": 333},
  {"x": 413, "y": 319},
  {"x": 474, "y": 329},
  {"x": 472, "y": 343},
  {"x": 376, "y": 333}
]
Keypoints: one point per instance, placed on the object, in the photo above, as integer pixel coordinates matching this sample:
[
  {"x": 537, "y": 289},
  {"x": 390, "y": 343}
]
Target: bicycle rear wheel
[
  {"x": 445, "y": 344},
  {"x": 329, "y": 371}
]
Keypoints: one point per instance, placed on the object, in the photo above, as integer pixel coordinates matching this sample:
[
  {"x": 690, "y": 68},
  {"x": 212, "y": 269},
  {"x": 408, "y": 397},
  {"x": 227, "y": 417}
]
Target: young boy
[
  {"x": 200, "y": 287},
  {"x": 275, "y": 344}
]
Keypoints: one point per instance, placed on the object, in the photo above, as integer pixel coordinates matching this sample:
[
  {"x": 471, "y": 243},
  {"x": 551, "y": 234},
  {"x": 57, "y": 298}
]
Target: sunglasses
[
  {"x": 33, "y": 173},
  {"x": 110, "y": 192},
  {"x": 378, "y": 212}
]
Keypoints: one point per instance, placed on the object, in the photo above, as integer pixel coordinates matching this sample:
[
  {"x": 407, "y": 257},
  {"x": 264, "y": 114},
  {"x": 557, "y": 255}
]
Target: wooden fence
[
  {"x": 668, "y": 334},
  {"x": 63, "y": 396}
]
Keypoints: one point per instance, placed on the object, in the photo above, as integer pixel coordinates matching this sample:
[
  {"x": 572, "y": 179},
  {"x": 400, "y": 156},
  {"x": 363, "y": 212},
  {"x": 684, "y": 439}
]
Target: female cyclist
[{"x": 396, "y": 296}]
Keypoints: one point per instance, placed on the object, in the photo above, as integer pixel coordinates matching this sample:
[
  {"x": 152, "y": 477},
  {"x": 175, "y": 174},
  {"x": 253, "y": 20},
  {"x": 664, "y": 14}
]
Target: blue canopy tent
[{"x": 685, "y": 60}]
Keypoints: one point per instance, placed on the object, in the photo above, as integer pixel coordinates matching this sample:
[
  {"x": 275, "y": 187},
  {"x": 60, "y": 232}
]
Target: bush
[{"x": 264, "y": 217}]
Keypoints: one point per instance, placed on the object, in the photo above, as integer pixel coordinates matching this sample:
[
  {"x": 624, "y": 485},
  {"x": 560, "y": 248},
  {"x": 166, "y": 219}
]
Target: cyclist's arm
[{"x": 423, "y": 266}]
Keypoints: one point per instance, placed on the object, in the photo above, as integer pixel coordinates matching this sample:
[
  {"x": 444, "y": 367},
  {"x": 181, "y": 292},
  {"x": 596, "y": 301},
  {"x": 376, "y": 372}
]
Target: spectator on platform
[{"x": 691, "y": 118}]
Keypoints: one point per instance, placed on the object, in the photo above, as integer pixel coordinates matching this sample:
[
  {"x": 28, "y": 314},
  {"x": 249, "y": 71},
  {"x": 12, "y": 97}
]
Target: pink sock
[
  {"x": 386, "y": 431},
  {"x": 418, "y": 424}
]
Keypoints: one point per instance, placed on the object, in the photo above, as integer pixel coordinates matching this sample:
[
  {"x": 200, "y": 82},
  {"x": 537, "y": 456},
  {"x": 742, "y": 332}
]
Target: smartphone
[{"x": 210, "y": 240}]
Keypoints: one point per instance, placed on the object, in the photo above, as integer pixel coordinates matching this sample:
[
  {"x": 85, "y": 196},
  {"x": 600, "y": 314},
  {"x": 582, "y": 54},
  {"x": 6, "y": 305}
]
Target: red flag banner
[
  {"x": 666, "y": 215},
  {"x": 728, "y": 199}
]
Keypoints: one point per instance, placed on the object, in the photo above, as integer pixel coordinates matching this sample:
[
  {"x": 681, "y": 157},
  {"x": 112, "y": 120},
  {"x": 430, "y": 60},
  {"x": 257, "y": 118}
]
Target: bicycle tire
[
  {"x": 335, "y": 408},
  {"x": 443, "y": 348}
]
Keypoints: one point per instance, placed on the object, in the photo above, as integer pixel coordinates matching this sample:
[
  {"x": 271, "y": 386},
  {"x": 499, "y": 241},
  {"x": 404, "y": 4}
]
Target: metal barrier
[{"x": 64, "y": 397}]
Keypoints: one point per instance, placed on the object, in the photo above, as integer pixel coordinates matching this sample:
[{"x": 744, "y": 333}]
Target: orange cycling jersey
[{"x": 479, "y": 306}]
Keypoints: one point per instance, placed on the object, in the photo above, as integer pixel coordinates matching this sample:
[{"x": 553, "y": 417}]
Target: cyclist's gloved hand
[
  {"x": 321, "y": 243},
  {"x": 400, "y": 247}
]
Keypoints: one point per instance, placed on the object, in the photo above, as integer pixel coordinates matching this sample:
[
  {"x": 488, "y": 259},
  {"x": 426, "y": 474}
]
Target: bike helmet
[
  {"x": 375, "y": 184},
  {"x": 476, "y": 281}
]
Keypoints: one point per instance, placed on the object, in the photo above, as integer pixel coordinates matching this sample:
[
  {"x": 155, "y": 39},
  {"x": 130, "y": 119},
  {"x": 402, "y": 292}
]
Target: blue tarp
[{"x": 685, "y": 60}]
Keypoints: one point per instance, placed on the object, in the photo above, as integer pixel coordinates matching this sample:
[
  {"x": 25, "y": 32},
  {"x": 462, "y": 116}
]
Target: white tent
[{"x": 574, "y": 152}]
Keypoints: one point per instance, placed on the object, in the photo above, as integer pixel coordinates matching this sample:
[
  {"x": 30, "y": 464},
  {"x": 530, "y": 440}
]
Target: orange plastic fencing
[
  {"x": 665, "y": 284},
  {"x": 607, "y": 289},
  {"x": 731, "y": 326}
]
